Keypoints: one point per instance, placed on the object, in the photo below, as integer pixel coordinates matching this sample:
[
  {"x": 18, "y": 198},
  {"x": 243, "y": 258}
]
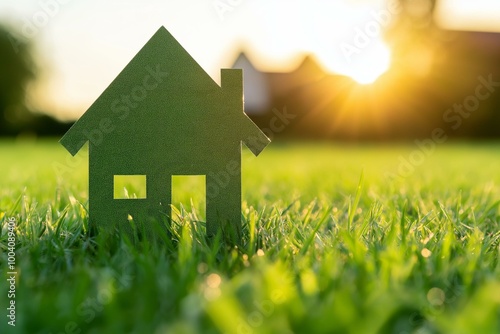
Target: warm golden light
[
  {"x": 478, "y": 15},
  {"x": 370, "y": 66},
  {"x": 363, "y": 64}
]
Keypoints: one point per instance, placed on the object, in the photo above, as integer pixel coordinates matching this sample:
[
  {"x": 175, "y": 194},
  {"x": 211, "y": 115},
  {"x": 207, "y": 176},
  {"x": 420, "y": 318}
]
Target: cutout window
[
  {"x": 129, "y": 186},
  {"x": 190, "y": 192}
]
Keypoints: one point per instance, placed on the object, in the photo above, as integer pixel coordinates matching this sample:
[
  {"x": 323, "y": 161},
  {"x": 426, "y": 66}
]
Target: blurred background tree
[{"x": 17, "y": 70}]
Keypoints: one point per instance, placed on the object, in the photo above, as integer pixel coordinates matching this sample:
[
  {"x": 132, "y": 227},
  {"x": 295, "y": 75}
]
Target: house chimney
[{"x": 232, "y": 81}]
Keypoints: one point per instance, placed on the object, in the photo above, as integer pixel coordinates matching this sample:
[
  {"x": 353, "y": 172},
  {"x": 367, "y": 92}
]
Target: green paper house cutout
[{"x": 163, "y": 116}]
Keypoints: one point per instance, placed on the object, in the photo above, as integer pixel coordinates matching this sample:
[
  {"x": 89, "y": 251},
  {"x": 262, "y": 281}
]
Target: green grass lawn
[{"x": 337, "y": 239}]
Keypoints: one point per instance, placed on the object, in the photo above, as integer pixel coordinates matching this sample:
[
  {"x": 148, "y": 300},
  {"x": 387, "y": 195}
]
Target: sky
[{"x": 83, "y": 45}]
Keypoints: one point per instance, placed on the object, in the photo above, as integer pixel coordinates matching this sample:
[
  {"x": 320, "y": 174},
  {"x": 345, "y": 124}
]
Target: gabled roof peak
[
  {"x": 161, "y": 59},
  {"x": 310, "y": 64}
]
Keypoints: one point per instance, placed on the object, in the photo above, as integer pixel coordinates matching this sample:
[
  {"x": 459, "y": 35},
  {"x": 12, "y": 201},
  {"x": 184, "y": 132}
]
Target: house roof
[{"x": 162, "y": 59}]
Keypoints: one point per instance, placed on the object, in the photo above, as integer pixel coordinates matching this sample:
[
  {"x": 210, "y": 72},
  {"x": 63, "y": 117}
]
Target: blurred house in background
[{"x": 432, "y": 83}]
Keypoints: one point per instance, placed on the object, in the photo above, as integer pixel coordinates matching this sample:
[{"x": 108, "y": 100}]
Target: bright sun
[
  {"x": 369, "y": 65},
  {"x": 364, "y": 66}
]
